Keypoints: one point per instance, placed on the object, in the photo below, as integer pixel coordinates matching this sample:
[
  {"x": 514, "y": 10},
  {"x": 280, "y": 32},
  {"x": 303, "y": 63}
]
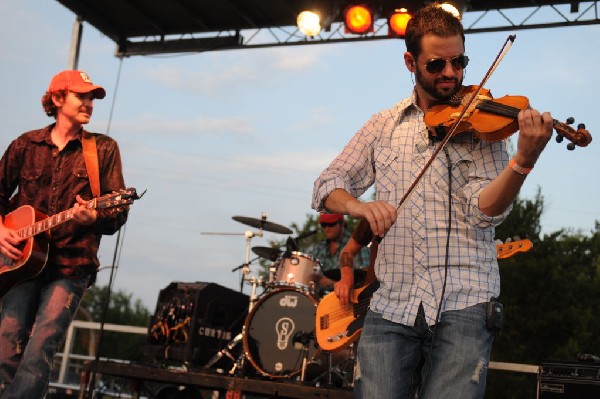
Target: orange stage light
[
  {"x": 397, "y": 22},
  {"x": 358, "y": 19}
]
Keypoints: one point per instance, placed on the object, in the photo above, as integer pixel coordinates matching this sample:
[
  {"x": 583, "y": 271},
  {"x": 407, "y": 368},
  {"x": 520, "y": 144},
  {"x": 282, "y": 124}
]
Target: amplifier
[
  {"x": 194, "y": 321},
  {"x": 569, "y": 380}
]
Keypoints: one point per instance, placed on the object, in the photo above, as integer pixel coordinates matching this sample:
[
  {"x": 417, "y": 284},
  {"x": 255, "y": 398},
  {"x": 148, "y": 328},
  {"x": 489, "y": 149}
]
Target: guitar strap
[{"x": 90, "y": 154}]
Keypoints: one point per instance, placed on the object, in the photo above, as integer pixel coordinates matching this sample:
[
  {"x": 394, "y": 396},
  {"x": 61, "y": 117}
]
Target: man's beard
[{"x": 429, "y": 87}]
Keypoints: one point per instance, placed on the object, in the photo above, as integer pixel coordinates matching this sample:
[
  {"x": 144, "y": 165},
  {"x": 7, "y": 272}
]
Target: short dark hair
[
  {"x": 49, "y": 108},
  {"x": 434, "y": 20}
]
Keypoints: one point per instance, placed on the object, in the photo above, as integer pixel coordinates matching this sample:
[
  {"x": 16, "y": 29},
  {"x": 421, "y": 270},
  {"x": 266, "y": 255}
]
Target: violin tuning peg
[
  {"x": 570, "y": 120},
  {"x": 571, "y": 146},
  {"x": 559, "y": 138},
  {"x": 581, "y": 126}
]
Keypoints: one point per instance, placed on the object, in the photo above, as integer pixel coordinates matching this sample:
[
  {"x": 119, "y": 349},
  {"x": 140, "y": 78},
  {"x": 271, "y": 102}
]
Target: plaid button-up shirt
[{"x": 390, "y": 150}]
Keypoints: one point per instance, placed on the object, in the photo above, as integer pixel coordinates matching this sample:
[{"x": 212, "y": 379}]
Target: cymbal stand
[{"x": 245, "y": 267}]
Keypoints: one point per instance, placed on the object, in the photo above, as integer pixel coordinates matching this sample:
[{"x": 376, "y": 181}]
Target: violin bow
[{"x": 505, "y": 47}]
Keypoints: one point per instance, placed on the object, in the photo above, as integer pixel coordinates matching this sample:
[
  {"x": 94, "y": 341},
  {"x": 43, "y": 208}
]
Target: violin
[
  {"x": 473, "y": 110},
  {"x": 493, "y": 119}
]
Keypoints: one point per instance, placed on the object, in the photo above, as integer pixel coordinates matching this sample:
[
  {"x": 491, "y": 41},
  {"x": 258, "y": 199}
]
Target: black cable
[
  {"x": 116, "y": 259},
  {"x": 446, "y": 261}
]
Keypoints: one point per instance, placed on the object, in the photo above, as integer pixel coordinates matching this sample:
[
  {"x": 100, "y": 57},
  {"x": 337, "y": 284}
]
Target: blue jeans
[
  {"x": 34, "y": 319},
  {"x": 398, "y": 361}
]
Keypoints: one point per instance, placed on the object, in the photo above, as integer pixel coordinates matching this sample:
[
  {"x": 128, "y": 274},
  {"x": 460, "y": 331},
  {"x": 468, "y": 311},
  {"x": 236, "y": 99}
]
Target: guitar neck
[{"x": 51, "y": 221}]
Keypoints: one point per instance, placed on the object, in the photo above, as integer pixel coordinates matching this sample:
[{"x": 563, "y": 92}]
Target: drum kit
[{"x": 278, "y": 333}]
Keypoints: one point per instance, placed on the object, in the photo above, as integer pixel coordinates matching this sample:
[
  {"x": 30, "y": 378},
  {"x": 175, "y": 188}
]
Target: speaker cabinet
[
  {"x": 569, "y": 380},
  {"x": 194, "y": 321}
]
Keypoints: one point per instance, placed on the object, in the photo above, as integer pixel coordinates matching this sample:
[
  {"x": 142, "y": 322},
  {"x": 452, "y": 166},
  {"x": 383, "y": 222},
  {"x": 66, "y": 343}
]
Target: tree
[
  {"x": 121, "y": 310},
  {"x": 550, "y": 311}
]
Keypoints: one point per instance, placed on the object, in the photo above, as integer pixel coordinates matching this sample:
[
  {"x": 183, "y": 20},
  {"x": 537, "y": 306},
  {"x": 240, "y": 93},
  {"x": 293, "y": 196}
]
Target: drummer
[{"x": 328, "y": 250}]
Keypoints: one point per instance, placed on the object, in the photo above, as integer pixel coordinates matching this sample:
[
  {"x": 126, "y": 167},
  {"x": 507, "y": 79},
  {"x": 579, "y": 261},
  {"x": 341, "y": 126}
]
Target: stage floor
[{"x": 227, "y": 386}]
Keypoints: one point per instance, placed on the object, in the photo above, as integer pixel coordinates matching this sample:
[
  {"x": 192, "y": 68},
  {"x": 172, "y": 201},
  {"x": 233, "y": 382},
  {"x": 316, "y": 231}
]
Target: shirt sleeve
[
  {"x": 487, "y": 164},
  {"x": 353, "y": 169},
  {"x": 110, "y": 220}
]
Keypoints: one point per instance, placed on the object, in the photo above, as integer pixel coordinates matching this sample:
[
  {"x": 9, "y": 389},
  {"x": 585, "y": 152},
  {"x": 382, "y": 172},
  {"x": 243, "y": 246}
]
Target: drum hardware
[
  {"x": 340, "y": 374},
  {"x": 278, "y": 334},
  {"x": 226, "y": 351},
  {"x": 238, "y": 363},
  {"x": 261, "y": 224}
]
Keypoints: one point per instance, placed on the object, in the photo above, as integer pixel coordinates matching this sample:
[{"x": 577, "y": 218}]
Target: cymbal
[
  {"x": 267, "y": 252},
  {"x": 262, "y": 224},
  {"x": 335, "y": 274}
]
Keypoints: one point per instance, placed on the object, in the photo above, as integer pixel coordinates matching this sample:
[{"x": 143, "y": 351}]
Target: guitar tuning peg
[
  {"x": 499, "y": 242},
  {"x": 516, "y": 238},
  {"x": 570, "y": 120}
]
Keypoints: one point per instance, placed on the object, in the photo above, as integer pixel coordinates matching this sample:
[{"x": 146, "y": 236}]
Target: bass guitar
[
  {"x": 339, "y": 326},
  {"x": 30, "y": 223}
]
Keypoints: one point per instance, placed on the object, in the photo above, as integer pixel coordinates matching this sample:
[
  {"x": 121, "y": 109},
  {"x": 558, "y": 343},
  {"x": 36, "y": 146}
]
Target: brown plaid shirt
[{"x": 49, "y": 179}]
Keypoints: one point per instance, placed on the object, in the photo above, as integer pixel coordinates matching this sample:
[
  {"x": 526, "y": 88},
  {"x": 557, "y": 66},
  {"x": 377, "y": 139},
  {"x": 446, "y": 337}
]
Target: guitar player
[
  {"x": 45, "y": 170},
  {"x": 361, "y": 237}
]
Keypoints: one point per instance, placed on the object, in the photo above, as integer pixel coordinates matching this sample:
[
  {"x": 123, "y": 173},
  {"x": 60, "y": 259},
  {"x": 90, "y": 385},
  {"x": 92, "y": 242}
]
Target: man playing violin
[{"x": 426, "y": 329}]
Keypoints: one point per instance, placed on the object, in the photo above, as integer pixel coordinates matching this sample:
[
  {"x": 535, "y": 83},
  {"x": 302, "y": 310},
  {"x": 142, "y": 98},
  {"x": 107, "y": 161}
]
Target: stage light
[
  {"x": 358, "y": 19},
  {"x": 455, "y": 7},
  {"x": 397, "y": 22},
  {"x": 309, "y": 23}
]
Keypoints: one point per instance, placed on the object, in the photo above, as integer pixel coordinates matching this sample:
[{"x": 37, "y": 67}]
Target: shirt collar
[
  {"x": 43, "y": 135},
  {"x": 407, "y": 105}
]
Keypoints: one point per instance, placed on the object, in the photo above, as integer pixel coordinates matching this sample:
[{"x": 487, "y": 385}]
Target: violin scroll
[{"x": 580, "y": 137}]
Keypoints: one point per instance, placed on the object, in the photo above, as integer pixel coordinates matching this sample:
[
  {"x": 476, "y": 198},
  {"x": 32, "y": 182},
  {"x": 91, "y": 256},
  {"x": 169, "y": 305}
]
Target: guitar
[
  {"x": 29, "y": 223},
  {"x": 339, "y": 326},
  {"x": 509, "y": 248}
]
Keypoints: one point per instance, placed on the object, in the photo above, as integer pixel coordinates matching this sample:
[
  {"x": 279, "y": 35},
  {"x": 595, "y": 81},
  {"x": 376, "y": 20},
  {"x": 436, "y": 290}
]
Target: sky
[{"x": 245, "y": 132}]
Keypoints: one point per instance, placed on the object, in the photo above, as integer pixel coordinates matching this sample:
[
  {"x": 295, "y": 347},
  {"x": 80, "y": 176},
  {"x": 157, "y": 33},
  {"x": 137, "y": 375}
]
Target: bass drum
[{"x": 279, "y": 332}]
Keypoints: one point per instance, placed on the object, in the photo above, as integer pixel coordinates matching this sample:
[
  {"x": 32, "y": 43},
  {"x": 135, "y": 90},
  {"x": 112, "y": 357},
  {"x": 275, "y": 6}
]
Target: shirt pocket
[
  {"x": 387, "y": 171},
  {"x": 30, "y": 184},
  {"x": 461, "y": 159}
]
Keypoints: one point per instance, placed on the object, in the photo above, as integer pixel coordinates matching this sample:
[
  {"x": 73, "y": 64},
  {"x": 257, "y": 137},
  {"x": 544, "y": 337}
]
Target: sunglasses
[
  {"x": 323, "y": 224},
  {"x": 436, "y": 65}
]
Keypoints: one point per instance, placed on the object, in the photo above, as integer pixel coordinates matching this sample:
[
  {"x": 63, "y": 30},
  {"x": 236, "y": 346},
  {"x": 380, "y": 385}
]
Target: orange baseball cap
[{"x": 75, "y": 81}]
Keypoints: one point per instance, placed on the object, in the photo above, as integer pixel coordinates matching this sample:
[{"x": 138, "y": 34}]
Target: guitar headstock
[
  {"x": 509, "y": 248},
  {"x": 580, "y": 137},
  {"x": 118, "y": 198}
]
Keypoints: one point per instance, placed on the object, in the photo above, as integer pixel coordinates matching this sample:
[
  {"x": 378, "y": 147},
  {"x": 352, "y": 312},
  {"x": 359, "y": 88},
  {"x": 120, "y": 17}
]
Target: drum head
[{"x": 279, "y": 330}]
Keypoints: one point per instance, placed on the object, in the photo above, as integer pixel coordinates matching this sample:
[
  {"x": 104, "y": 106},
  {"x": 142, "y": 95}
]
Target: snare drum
[{"x": 298, "y": 270}]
